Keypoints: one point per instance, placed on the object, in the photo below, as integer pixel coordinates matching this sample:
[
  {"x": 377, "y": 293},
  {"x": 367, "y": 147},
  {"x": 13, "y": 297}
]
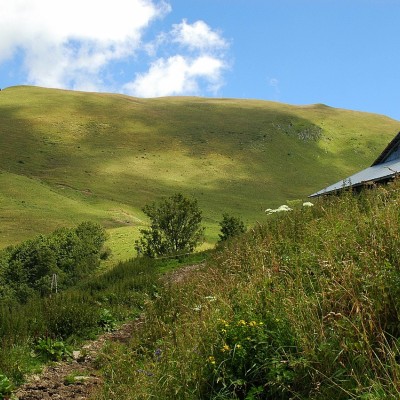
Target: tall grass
[
  {"x": 97, "y": 303},
  {"x": 74, "y": 314},
  {"x": 305, "y": 306}
]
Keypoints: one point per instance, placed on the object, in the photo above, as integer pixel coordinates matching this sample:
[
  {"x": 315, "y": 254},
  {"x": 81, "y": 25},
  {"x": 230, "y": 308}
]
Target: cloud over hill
[{"x": 102, "y": 45}]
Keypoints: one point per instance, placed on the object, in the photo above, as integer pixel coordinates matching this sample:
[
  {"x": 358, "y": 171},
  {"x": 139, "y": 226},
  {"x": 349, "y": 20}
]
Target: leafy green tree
[
  {"x": 230, "y": 226},
  {"x": 30, "y": 267},
  {"x": 68, "y": 248},
  {"x": 6, "y": 292},
  {"x": 93, "y": 235},
  {"x": 175, "y": 227},
  {"x": 70, "y": 254}
]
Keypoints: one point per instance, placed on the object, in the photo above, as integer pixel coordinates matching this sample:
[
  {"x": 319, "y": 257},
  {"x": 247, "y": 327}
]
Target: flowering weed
[{"x": 254, "y": 356}]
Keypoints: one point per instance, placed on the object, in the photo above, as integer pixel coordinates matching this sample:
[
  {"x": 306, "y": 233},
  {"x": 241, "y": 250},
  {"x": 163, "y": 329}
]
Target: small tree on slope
[
  {"x": 230, "y": 227},
  {"x": 175, "y": 227}
]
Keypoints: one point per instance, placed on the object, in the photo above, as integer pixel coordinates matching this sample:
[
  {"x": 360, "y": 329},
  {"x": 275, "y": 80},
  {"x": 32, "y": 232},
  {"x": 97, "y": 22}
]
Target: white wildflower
[
  {"x": 308, "y": 204},
  {"x": 282, "y": 208}
]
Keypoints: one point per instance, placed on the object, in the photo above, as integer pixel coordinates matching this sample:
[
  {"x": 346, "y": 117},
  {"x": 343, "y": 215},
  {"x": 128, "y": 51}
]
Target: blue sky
[{"x": 343, "y": 53}]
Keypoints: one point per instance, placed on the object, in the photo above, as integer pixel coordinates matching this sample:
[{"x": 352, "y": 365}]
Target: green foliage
[
  {"x": 92, "y": 235},
  {"x": 52, "y": 350},
  {"x": 30, "y": 266},
  {"x": 231, "y": 226},
  {"x": 69, "y": 250},
  {"x": 255, "y": 356},
  {"x": 66, "y": 255},
  {"x": 324, "y": 281},
  {"x": 107, "y": 321},
  {"x": 6, "y": 387},
  {"x": 96, "y": 303},
  {"x": 106, "y": 253},
  {"x": 175, "y": 227},
  {"x": 70, "y": 313}
]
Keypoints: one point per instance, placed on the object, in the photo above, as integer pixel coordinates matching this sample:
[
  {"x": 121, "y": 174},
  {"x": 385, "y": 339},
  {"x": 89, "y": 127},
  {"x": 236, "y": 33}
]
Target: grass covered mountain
[{"x": 69, "y": 156}]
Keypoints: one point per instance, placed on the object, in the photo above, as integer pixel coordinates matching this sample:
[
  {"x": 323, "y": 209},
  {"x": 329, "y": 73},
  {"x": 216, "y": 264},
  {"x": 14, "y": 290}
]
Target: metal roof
[
  {"x": 391, "y": 151},
  {"x": 386, "y": 166},
  {"x": 375, "y": 173}
]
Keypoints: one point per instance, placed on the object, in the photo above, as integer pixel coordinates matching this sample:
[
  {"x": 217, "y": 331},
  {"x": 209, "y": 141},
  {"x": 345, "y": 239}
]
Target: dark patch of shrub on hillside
[{"x": 37, "y": 266}]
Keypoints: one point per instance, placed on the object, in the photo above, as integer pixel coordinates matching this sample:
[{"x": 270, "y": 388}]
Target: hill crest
[{"x": 103, "y": 156}]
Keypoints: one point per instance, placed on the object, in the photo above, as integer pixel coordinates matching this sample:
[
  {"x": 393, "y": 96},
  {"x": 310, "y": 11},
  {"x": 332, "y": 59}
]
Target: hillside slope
[{"x": 67, "y": 156}]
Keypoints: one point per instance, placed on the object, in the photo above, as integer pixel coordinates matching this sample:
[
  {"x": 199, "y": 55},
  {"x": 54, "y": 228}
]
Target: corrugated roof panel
[{"x": 375, "y": 173}]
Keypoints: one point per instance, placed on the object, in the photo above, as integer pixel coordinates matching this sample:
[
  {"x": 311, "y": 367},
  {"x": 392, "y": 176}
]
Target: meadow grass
[
  {"x": 62, "y": 321},
  {"x": 71, "y": 156},
  {"x": 304, "y": 306}
]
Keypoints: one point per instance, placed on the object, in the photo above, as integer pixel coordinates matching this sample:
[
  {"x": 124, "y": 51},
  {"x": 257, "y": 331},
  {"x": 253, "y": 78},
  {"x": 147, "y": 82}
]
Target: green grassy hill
[{"x": 70, "y": 156}]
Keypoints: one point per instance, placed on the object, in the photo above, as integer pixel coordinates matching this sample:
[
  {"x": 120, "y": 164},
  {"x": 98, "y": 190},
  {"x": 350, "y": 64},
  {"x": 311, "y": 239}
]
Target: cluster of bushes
[
  {"x": 49, "y": 263},
  {"x": 175, "y": 227},
  {"x": 305, "y": 306}
]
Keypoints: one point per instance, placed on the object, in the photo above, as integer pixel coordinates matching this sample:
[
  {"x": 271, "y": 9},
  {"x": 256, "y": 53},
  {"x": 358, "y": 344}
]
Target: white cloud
[
  {"x": 177, "y": 75},
  {"x": 76, "y": 44},
  {"x": 198, "y": 36},
  {"x": 165, "y": 77},
  {"x": 273, "y": 82},
  {"x": 65, "y": 42},
  {"x": 182, "y": 74}
]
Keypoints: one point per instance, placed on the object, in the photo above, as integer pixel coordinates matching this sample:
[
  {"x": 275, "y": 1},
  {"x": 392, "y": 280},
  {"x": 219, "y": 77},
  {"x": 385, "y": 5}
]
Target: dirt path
[
  {"x": 78, "y": 378},
  {"x": 74, "y": 379}
]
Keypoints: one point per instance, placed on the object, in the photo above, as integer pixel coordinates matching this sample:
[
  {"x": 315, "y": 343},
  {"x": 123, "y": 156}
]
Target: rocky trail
[{"x": 77, "y": 378}]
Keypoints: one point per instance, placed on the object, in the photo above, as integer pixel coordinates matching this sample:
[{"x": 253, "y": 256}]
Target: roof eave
[
  {"x": 354, "y": 186},
  {"x": 384, "y": 154}
]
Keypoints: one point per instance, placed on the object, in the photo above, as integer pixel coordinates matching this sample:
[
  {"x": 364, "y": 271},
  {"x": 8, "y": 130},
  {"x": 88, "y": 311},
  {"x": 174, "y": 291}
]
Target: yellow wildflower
[
  {"x": 211, "y": 360},
  {"x": 252, "y": 323},
  {"x": 225, "y": 347},
  {"x": 242, "y": 322}
]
